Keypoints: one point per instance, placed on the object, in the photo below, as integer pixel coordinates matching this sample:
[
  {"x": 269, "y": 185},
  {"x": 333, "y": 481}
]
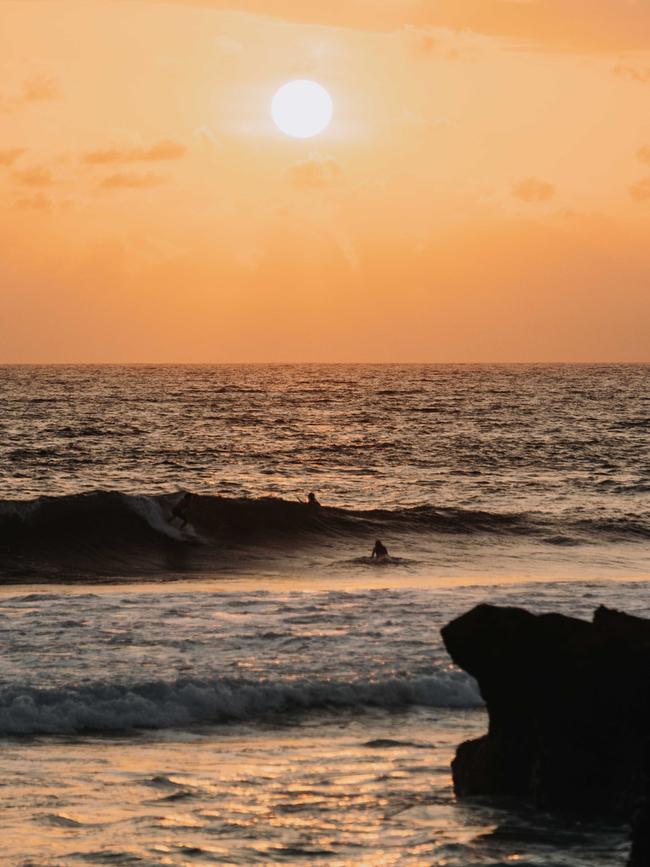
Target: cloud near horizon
[
  {"x": 640, "y": 191},
  {"x": 8, "y": 156},
  {"x": 37, "y": 202},
  {"x": 36, "y": 176},
  {"x": 315, "y": 172},
  {"x": 161, "y": 151},
  {"x": 532, "y": 190},
  {"x": 132, "y": 181},
  {"x": 633, "y": 72},
  {"x": 40, "y": 88}
]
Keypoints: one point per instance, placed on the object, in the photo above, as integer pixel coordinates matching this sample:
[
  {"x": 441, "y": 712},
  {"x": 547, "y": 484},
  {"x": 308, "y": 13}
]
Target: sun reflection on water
[{"x": 336, "y": 791}]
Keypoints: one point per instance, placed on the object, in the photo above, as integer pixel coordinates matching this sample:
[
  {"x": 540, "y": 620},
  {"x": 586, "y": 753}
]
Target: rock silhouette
[{"x": 569, "y": 712}]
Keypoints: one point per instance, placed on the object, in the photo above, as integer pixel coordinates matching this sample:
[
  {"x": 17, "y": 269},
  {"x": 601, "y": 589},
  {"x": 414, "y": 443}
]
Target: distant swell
[
  {"x": 106, "y": 708},
  {"x": 107, "y": 533}
]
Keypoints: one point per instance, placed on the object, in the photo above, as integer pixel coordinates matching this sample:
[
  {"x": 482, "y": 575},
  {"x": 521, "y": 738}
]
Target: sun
[{"x": 302, "y": 108}]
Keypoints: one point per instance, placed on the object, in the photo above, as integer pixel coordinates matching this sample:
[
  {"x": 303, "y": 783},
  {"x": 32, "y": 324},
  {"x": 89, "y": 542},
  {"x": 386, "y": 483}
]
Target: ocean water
[{"x": 251, "y": 688}]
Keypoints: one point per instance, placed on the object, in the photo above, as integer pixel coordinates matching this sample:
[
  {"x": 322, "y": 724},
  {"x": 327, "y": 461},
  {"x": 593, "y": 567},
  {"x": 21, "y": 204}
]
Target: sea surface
[{"x": 249, "y": 687}]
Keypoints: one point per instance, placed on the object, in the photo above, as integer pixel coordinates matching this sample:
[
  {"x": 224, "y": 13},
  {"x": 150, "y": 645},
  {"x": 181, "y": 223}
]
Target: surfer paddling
[{"x": 379, "y": 552}]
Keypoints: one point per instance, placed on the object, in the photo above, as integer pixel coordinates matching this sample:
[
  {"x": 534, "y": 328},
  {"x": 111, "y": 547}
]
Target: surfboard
[{"x": 189, "y": 534}]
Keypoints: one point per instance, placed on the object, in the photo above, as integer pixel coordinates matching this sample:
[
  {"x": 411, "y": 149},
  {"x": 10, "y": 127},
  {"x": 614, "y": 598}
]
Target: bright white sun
[{"x": 302, "y": 108}]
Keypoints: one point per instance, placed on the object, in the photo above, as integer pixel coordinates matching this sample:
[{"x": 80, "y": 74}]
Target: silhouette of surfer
[
  {"x": 181, "y": 510},
  {"x": 379, "y": 552},
  {"x": 312, "y": 501}
]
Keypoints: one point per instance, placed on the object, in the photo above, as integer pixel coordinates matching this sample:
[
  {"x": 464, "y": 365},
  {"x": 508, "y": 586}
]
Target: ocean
[{"x": 243, "y": 684}]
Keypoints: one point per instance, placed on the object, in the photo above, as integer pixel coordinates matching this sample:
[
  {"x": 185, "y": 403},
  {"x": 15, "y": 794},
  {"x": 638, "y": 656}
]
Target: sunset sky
[{"x": 482, "y": 193}]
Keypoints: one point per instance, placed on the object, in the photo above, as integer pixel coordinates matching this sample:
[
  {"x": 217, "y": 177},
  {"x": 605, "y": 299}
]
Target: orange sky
[{"x": 483, "y": 192}]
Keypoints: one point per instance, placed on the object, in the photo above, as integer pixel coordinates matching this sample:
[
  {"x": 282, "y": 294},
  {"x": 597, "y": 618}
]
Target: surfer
[
  {"x": 379, "y": 552},
  {"x": 181, "y": 508},
  {"x": 312, "y": 501}
]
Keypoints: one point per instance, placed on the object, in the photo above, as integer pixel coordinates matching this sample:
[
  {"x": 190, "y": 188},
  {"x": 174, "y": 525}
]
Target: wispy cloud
[
  {"x": 227, "y": 45},
  {"x": 132, "y": 181},
  {"x": 158, "y": 152},
  {"x": 315, "y": 172},
  {"x": 640, "y": 191},
  {"x": 35, "y": 176},
  {"x": 37, "y": 202},
  {"x": 439, "y": 43},
  {"x": 533, "y": 190},
  {"x": 40, "y": 88},
  {"x": 633, "y": 72},
  {"x": 8, "y": 156},
  {"x": 567, "y": 25}
]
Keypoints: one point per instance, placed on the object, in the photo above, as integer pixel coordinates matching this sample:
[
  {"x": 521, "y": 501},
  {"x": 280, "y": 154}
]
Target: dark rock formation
[
  {"x": 569, "y": 711},
  {"x": 640, "y": 856}
]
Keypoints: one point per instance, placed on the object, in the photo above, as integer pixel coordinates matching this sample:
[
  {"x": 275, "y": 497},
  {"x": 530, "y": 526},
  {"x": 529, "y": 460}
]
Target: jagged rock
[{"x": 568, "y": 704}]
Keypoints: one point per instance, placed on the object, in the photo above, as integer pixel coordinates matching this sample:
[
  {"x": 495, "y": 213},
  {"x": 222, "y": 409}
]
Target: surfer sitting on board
[
  {"x": 312, "y": 501},
  {"x": 380, "y": 552},
  {"x": 181, "y": 508}
]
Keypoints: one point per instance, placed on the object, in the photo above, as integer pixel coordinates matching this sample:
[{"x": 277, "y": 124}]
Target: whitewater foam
[{"x": 108, "y": 707}]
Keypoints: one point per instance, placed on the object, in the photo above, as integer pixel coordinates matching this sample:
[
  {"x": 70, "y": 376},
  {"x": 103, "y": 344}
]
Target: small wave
[
  {"x": 390, "y": 744},
  {"x": 614, "y": 529},
  {"x": 59, "y": 820},
  {"x": 378, "y": 563},
  {"x": 162, "y": 781},
  {"x": 113, "y": 708},
  {"x": 566, "y": 541},
  {"x": 185, "y": 795},
  {"x": 640, "y": 423},
  {"x": 81, "y": 431}
]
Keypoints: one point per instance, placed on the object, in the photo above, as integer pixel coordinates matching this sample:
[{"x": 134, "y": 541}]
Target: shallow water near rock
[
  {"x": 247, "y": 727},
  {"x": 313, "y": 792}
]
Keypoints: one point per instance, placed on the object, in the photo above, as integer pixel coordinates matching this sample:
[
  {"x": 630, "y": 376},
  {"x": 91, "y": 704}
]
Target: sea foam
[{"x": 106, "y": 707}]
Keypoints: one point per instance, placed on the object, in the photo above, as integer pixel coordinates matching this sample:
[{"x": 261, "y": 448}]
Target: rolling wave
[
  {"x": 107, "y": 533},
  {"x": 110, "y": 708}
]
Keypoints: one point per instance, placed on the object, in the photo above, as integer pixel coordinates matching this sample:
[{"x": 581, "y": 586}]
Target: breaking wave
[
  {"x": 107, "y": 533},
  {"x": 110, "y": 708}
]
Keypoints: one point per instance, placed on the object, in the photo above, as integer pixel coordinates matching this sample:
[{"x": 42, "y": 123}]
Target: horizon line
[{"x": 556, "y": 362}]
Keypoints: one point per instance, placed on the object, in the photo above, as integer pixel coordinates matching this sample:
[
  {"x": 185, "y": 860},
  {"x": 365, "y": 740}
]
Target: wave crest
[{"x": 106, "y": 533}]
